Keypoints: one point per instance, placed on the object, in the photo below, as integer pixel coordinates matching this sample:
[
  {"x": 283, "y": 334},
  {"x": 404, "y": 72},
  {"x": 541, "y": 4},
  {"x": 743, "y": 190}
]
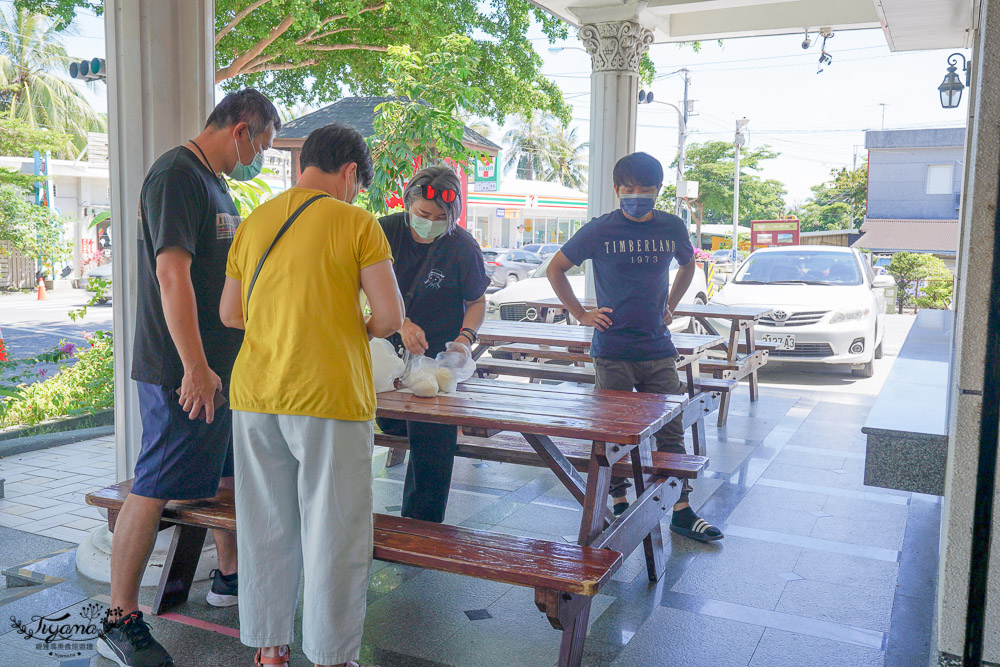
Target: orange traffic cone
[
  {"x": 3, "y": 348},
  {"x": 42, "y": 296}
]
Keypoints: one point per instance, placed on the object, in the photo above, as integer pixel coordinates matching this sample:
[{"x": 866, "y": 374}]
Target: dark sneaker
[
  {"x": 130, "y": 644},
  {"x": 225, "y": 590}
]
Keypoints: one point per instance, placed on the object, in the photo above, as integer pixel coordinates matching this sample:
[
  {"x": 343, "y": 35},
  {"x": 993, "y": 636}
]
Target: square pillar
[{"x": 161, "y": 78}]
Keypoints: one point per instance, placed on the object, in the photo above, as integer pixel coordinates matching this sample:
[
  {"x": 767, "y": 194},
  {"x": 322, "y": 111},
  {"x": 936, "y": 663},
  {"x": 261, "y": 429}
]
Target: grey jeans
[{"x": 658, "y": 376}]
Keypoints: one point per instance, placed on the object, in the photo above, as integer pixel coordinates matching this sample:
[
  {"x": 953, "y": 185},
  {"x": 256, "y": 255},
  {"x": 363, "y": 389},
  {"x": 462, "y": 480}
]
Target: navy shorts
[{"x": 181, "y": 458}]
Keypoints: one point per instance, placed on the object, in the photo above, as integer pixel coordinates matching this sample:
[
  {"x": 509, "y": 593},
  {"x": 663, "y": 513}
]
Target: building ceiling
[{"x": 908, "y": 24}]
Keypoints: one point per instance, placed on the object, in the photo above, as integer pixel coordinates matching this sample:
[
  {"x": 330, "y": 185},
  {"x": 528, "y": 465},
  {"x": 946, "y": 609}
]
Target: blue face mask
[
  {"x": 637, "y": 205},
  {"x": 247, "y": 172}
]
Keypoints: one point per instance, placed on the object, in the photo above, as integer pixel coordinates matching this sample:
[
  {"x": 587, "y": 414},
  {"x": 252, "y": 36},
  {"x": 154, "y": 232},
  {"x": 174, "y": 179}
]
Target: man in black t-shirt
[
  {"x": 440, "y": 270},
  {"x": 183, "y": 355}
]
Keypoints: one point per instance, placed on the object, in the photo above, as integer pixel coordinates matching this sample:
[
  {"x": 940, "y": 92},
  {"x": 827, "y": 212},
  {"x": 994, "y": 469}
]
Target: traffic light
[{"x": 89, "y": 70}]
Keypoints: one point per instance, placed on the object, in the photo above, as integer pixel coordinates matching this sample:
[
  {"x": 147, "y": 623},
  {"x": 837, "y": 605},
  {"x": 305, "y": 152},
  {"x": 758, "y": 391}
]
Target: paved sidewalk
[
  {"x": 817, "y": 569},
  {"x": 45, "y": 489}
]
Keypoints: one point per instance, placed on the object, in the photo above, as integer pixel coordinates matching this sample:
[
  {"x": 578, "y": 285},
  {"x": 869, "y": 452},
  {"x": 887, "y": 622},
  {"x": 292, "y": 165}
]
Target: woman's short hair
[{"x": 440, "y": 178}]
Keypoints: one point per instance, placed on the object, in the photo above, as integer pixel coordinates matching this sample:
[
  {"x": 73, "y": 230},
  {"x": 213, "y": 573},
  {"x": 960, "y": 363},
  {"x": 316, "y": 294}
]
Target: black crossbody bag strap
[
  {"x": 408, "y": 296},
  {"x": 281, "y": 232}
]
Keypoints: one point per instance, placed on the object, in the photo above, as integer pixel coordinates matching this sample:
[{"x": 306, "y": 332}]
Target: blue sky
[{"x": 816, "y": 121}]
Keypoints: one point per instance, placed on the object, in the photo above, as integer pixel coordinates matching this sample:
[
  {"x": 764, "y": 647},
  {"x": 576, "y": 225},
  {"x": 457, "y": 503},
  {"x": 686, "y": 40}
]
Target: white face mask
[{"x": 427, "y": 229}]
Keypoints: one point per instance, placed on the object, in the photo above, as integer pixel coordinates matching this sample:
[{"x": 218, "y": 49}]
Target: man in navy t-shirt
[{"x": 631, "y": 250}]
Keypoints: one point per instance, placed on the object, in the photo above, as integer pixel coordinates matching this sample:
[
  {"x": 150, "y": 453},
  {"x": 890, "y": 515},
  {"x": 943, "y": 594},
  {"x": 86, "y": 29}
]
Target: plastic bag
[
  {"x": 428, "y": 377},
  {"x": 386, "y": 364},
  {"x": 455, "y": 365},
  {"x": 421, "y": 376}
]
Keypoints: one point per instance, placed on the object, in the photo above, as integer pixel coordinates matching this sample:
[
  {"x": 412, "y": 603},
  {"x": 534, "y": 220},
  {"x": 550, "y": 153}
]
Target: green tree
[
  {"x": 937, "y": 285},
  {"x": 32, "y": 86},
  {"x": 19, "y": 139},
  {"x": 312, "y": 50},
  {"x": 527, "y": 145},
  {"x": 421, "y": 126},
  {"x": 566, "y": 158},
  {"x": 908, "y": 269},
  {"x": 838, "y": 203},
  {"x": 711, "y": 165},
  {"x": 33, "y": 230}
]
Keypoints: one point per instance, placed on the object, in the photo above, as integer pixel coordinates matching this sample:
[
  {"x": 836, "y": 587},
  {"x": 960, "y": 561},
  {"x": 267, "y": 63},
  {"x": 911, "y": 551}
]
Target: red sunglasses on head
[{"x": 430, "y": 192}]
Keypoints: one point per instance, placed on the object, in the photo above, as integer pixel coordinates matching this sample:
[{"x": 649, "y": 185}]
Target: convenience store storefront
[{"x": 525, "y": 212}]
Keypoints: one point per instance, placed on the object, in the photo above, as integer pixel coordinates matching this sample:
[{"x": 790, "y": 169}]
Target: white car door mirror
[{"x": 884, "y": 281}]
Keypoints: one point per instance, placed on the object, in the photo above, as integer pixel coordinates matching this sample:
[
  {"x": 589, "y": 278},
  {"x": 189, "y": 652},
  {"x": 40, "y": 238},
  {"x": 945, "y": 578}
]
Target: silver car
[
  {"x": 543, "y": 250},
  {"x": 505, "y": 267}
]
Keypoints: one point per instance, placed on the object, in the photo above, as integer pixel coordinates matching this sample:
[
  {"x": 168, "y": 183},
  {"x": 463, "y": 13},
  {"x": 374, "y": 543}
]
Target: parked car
[
  {"x": 506, "y": 267},
  {"x": 102, "y": 272},
  {"x": 726, "y": 256},
  {"x": 543, "y": 250},
  {"x": 509, "y": 303},
  {"x": 829, "y": 306}
]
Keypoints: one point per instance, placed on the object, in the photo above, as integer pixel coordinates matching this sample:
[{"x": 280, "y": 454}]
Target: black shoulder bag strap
[
  {"x": 408, "y": 296},
  {"x": 281, "y": 232}
]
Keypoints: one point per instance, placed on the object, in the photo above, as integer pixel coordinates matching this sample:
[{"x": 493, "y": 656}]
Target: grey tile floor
[{"x": 816, "y": 568}]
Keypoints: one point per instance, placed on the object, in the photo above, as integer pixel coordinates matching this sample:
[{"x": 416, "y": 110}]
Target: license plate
[{"x": 786, "y": 342}]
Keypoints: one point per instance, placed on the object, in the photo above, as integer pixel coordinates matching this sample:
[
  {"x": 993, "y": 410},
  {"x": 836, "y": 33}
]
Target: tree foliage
[
  {"x": 20, "y": 139},
  {"x": 421, "y": 125},
  {"x": 540, "y": 148},
  {"x": 711, "y": 165},
  {"x": 310, "y": 50},
  {"x": 33, "y": 88},
  {"x": 838, "y": 203},
  {"x": 33, "y": 230},
  {"x": 922, "y": 280}
]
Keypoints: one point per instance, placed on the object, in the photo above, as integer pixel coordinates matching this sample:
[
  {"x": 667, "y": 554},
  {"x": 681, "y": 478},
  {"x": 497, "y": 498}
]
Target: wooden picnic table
[
  {"x": 743, "y": 359},
  {"x": 619, "y": 425},
  {"x": 692, "y": 348}
]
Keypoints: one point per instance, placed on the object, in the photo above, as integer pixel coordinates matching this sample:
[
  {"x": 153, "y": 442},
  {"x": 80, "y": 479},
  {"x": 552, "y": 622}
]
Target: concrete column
[
  {"x": 616, "y": 49},
  {"x": 972, "y": 302},
  {"x": 161, "y": 61}
]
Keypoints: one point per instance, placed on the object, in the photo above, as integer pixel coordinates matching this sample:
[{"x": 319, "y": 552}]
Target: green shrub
[{"x": 85, "y": 387}]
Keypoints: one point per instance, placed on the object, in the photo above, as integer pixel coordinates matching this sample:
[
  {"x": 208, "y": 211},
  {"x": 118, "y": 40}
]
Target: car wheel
[
  {"x": 864, "y": 370},
  {"x": 694, "y": 326},
  {"x": 511, "y": 279}
]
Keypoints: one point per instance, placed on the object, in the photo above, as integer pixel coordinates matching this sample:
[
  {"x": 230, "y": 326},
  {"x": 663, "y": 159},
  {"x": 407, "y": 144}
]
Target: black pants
[{"x": 428, "y": 474}]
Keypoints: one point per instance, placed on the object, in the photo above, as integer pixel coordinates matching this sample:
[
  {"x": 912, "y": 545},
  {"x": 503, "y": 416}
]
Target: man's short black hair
[
  {"x": 638, "y": 170},
  {"x": 245, "y": 106},
  {"x": 332, "y": 146}
]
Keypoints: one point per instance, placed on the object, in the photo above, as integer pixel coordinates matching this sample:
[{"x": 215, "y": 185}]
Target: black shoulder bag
[{"x": 281, "y": 232}]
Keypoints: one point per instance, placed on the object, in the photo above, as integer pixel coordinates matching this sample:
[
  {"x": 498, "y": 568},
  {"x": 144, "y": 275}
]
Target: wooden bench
[
  {"x": 511, "y": 448},
  {"x": 521, "y": 352},
  {"x": 565, "y": 576},
  {"x": 535, "y": 370},
  {"x": 723, "y": 369}
]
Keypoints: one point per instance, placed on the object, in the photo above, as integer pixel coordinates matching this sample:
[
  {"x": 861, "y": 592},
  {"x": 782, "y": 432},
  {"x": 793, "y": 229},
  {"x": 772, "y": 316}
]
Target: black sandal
[{"x": 685, "y": 522}]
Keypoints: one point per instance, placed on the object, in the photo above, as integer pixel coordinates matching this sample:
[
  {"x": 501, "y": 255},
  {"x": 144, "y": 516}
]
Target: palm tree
[
  {"x": 566, "y": 160},
  {"x": 527, "y": 147},
  {"x": 32, "y": 58}
]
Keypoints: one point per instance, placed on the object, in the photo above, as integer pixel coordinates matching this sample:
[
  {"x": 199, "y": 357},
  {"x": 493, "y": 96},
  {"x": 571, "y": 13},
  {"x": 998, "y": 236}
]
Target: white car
[
  {"x": 509, "y": 303},
  {"x": 102, "y": 272},
  {"x": 829, "y": 306}
]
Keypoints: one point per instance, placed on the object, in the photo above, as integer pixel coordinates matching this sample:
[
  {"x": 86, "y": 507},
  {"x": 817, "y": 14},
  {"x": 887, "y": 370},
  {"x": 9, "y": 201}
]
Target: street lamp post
[{"x": 738, "y": 141}]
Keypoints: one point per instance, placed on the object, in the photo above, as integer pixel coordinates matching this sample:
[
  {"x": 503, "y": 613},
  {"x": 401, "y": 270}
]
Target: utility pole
[
  {"x": 738, "y": 141},
  {"x": 682, "y": 147},
  {"x": 883, "y": 105}
]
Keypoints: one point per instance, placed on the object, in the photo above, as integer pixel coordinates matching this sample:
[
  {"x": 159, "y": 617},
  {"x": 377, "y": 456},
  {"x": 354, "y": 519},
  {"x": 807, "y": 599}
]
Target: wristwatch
[{"x": 470, "y": 334}]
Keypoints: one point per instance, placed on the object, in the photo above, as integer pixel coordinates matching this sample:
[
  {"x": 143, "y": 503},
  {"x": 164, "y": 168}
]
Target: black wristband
[{"x": 468, "y": 333}]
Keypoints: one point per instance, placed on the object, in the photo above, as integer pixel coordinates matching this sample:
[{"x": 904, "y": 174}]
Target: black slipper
[{"x": 685, "y": 522}]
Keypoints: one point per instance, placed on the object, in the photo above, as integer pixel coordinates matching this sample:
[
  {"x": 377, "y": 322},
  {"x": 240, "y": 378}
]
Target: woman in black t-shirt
[{"x": 441, "y": 271}]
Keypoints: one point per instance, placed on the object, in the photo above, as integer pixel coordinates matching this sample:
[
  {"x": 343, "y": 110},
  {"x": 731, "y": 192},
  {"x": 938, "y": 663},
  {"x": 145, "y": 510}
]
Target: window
[{"x": 940, "y": 178}]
